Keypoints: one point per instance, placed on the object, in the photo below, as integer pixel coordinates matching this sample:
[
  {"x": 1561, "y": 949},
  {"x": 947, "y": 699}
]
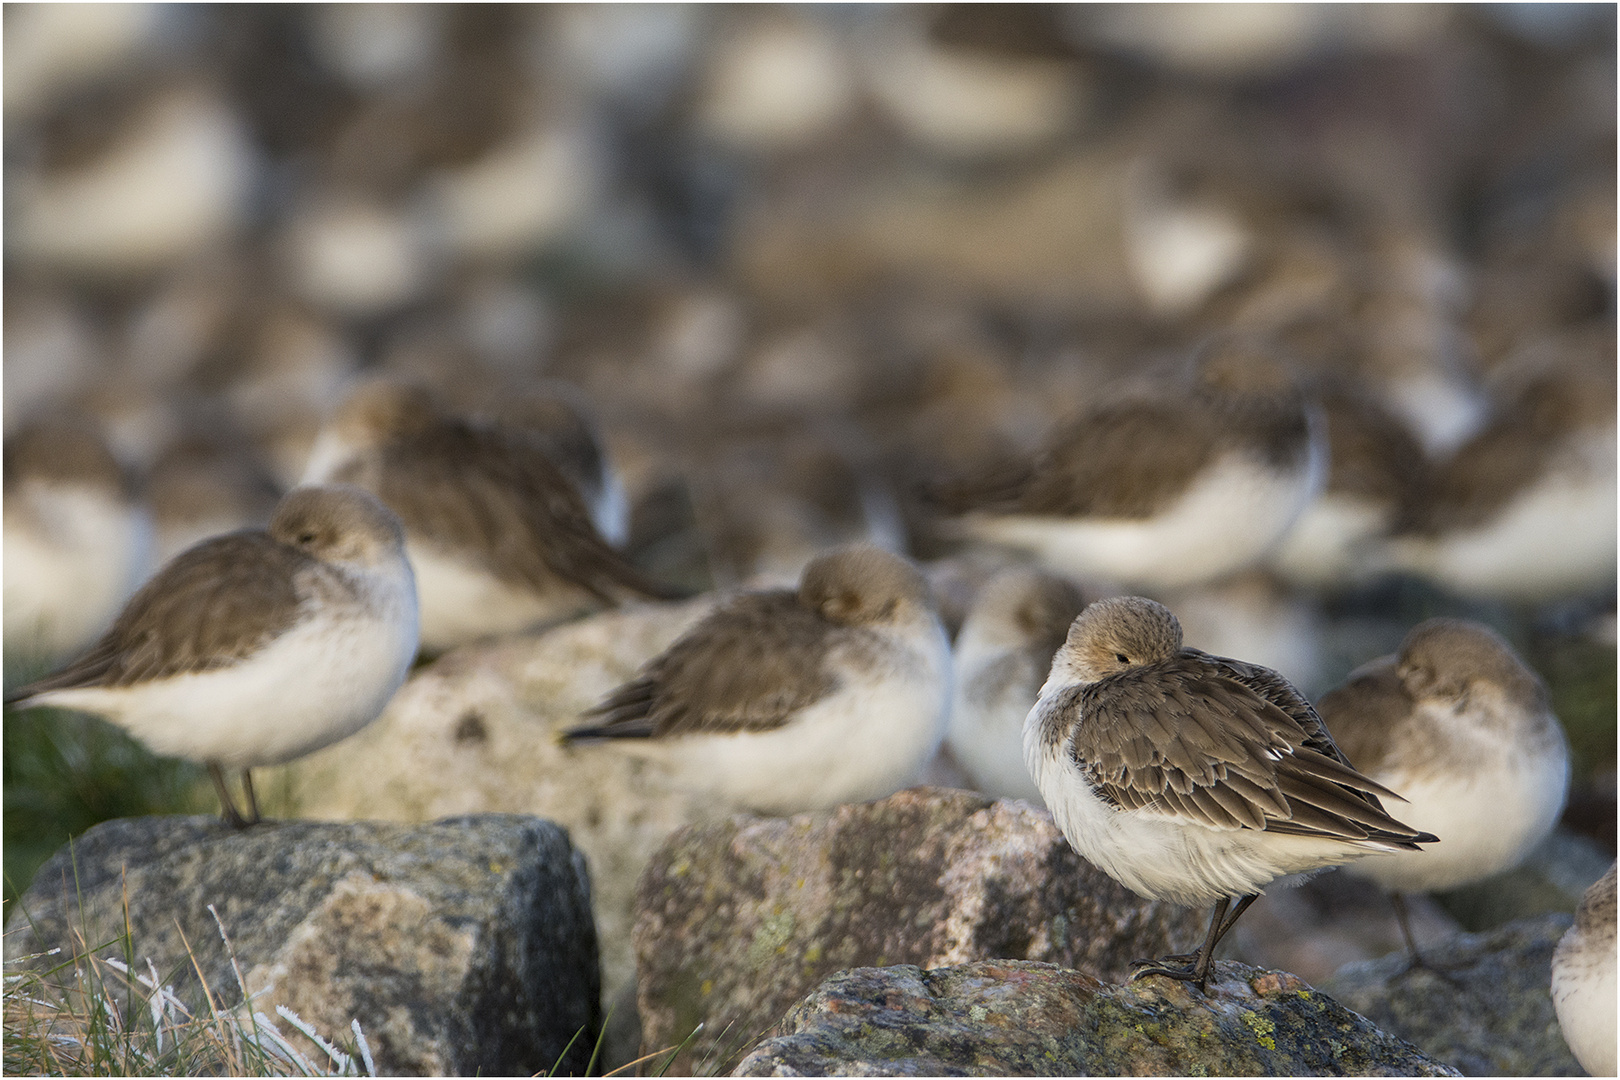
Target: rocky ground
[{"x": 797, "y": 260}]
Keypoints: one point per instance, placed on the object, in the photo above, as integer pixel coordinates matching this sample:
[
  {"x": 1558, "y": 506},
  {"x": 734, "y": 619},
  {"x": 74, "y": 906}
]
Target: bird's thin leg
[
  {"x": 252, "y": 799},
  {"x": 1415, "y": 959},
  {"x": 1242, "y": 906},
  {"x": 227, "y": 807},
  {"x": 1398, "y": 902},
  {"x": 1206, "y": 959},
  {"x": 1186, "y": 970}
]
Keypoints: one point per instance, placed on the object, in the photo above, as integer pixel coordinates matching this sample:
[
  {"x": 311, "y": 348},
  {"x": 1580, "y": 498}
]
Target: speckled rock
[
  {"x": 475, "y": 732},
  {"x": 464, "y": 946},
  {"x": 737, "y": 920},
  {"x": 1028, "y": 1019},
  {"x": 1492, "y": 1013}
]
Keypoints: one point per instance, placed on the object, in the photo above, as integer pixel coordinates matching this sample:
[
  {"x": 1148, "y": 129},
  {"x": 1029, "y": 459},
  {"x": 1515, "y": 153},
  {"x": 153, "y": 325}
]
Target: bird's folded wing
[
  {"x": 1115, "y": 461},
  {"x": 1197, "y": 744},
  {"x": 749, "y": 666},
  {"x": 469, "y": 489},
  {"x": 214, "y": 604},
  {"x": 1363, "y": 711}
]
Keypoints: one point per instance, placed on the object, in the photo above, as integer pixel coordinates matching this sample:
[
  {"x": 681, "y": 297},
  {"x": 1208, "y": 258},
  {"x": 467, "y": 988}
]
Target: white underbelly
[
  {"x": 1488, "y": 819},
  {"x": 1583, "y": 993},
  {"x": 1164, "y": 860},
  {"x": 986, "y": 730},
  {"x": 1332, "y": 543},
  {"x": 71, "y": 560},
  {"x": 461, "y": 603},
  {"x": 860, "y": 743},
  {"x": 1227, "y": 521},
  {"x": 1557, "y": 538},
  {"x": 309, "y": 688}
]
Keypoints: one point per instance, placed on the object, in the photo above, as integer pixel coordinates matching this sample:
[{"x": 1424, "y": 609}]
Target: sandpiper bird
[
  {"x": 499, "y": 539},
  {"x": 558, "y": 419},
  {"x": 1193, "y": 778},
  {"x": 1003, "y": 652},
  {"x": 1459, "y": 725},
  {"x": 1583, "y": 980},
  {"x": 1375, "y": 469},
  {"x": 1165, "y": 484},
  {"x": 77, "y": 540},
  {"x": 787, "y": 700},
  {"x": 258, "y": 646},
  {"x": 1526, "y": 509}
]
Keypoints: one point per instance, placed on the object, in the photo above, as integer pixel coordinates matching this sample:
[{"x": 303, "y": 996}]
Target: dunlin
[
  {"x": 499, "y": 538},
  {"x": 77, "y": 540},
  {"x": 1526, "y": 509},
  {"x": 788, "y": 700},
  {"x": 1462, "y": 728},
  {"x": 1583, "y": 979},
  {"x": 259, "y": 646},
  {"x": 1375, "y": 470},
  {"x": 1003, "y": 653},
  {"x": 1193, "y": 778},
  {"x": 1171, "y": 483},
  {"x": 558, "y": 418}
]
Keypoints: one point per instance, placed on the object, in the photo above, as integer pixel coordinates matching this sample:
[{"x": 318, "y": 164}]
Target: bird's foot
[
  {"x": 235, "y": 820},
  {"x": 1183, "y": 967},
  {"x": 1417, "y": 962}
]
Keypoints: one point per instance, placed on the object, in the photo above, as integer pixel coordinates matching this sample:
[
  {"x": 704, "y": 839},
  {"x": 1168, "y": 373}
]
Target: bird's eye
[
  {"x": 306, "y": 538},
  {"x": 1122, "y": 658}
]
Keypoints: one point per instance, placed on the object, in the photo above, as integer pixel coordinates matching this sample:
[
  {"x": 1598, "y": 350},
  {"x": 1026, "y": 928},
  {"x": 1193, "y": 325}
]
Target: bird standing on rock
[
  {"x": 500, "y": 540},
  {"x": 788, "y": 700},
  {"x": 258, "y": 646},
  {"x": 1193, "y": 778},
  {"x": 1465, "y": 730}
]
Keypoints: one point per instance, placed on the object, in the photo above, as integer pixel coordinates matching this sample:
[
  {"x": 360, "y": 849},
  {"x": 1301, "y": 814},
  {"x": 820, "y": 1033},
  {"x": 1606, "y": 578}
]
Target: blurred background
[{"x": 795, "y": 260}]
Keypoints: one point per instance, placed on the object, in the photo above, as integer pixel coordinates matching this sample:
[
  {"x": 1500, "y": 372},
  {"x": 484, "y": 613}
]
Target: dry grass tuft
[{"x": 98, "y": 1013}]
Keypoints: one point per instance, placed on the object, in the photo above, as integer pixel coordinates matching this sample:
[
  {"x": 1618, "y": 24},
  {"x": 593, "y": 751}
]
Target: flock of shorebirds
[
  {"x": 249, "y": 631},
  {"x": 1186, "y": 776}
]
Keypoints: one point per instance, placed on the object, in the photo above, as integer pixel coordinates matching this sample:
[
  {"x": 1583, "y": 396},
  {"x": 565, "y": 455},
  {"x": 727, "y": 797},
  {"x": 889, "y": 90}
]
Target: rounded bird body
[
  {"x": 1189, "y": 777},
  {"x": 259, "y": 646},
  {"x": 1164, "y": 485},
  {"x": 1583, "y": 980},
  {"x": 1465, "y": 731},
  {"x": 791, "y": 700},
  {"x": 1525, "y": 510},
  {"x": 1002, "y": 655},
  {"x": 499, "y": 538},
  {"x": 77, "y": 542}
]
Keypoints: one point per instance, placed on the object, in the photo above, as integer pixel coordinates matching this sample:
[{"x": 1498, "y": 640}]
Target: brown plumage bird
[
  {"x": 500, "y": 540},
  {"x": 787, "y": 700},
  {"x": 1193, "y": 778}
]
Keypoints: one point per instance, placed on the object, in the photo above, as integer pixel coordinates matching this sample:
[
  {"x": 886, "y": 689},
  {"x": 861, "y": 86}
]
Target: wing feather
[
  {"x": 469, "y": 488},
  {"x": 750, "y": 665},
  {"x": 1227, "y": 745},
  {"x": 213, "y": 604}
]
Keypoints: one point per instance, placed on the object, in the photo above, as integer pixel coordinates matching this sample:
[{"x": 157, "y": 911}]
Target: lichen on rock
[{"x": 1013, "y": 1018}]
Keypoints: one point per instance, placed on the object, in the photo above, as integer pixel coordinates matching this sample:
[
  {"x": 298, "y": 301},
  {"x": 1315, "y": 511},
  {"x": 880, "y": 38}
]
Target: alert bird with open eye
[
  {"x": 1193, "y": 778},
  {"x": 788, "y": 700},
  {"x": 258, "y": 646}
]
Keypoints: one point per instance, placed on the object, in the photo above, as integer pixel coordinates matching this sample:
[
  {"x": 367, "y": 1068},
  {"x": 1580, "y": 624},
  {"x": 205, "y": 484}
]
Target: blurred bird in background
[{"x": 1299, "y": 319}]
